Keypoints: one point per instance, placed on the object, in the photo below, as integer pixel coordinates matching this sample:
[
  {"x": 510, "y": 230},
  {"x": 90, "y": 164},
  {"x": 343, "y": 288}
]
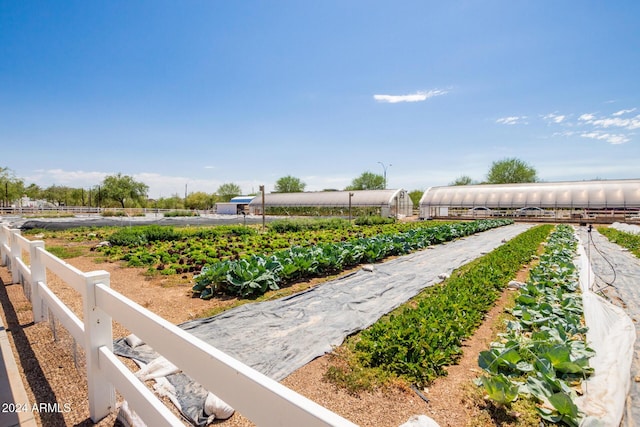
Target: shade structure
[
  {"x": 601, "y": 194},
  {"x": 389, "y": 202}
]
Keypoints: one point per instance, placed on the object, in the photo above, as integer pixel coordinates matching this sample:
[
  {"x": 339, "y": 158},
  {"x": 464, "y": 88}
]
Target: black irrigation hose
[
  {"x": 419, "y": 393},
  {"x": 615, "y": 275}
]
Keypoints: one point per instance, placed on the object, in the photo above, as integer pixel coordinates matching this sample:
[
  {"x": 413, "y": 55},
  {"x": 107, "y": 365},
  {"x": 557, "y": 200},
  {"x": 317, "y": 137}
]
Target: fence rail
[{"x": 258, "y": 397}]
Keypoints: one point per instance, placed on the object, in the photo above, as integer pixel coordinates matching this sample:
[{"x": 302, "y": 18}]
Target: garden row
[
  {"x": 417, "y": 341},
  {"x": 257, "y": 273},
  {"x": 170, "y": 250},
  {"x": 543, "y": 354},
  {"x": 628, "y": 240}
]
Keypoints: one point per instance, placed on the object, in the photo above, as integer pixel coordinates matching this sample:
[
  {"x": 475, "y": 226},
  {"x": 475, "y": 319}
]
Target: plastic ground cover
[{"x": 615, "y": 271}]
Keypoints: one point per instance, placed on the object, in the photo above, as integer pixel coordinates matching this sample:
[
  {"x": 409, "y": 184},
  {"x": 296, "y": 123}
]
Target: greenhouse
[
  {"x": 605, "y": 199},
  {"x": 392, "y": 203}
]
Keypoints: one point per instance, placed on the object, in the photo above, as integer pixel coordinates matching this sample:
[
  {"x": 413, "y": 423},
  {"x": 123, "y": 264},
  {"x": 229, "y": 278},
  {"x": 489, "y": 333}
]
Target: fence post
[
  {"x": 4, "y": 239},
  {"x": 98, "y": 332},
  {"x": 16, "y": 253},
  {"x": 38, "y": 274}
]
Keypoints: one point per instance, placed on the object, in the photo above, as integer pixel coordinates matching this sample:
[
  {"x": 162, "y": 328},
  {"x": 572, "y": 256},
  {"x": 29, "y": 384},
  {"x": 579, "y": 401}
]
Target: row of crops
[
  {"x": 239, "y": 260},
  {"x": 542, "y": 357},
  {"x": 256, "y": 273},
  {"x": 170, "y": 250},
  {"x": 417, "y": 341},
  {"x": 630, "y": 241},
  {"x": 543, "y": 354}
]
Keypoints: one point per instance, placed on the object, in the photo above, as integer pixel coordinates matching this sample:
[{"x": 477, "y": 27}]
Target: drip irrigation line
[{"x": 613, "y": 269}]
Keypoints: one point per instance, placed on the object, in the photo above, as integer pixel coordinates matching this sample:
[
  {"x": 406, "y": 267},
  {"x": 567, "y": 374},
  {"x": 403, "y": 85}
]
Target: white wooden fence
[{"x": 257, "y": 397}]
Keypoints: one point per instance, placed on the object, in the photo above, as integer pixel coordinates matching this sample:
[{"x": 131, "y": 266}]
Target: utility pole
[
  {"x": 384, "y": 169},
  {"x": 350, "y": 196},
  {"x": 263, "y": 218}
]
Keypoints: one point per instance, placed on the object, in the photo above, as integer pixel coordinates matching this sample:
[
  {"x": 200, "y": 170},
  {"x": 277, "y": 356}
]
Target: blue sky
[{"x": 199, "y": 93}]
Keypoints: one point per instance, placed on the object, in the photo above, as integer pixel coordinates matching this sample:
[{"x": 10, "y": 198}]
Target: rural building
[
  {"x": 235, "y": 206},
  {"x": 615, "y": 199},
  {"x": 396, "y": 203}
]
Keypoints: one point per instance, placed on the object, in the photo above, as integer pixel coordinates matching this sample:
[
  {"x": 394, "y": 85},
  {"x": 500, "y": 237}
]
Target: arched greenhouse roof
[
  {"x": 332, "y": 198},
  {"x": 618, "y": 194}
]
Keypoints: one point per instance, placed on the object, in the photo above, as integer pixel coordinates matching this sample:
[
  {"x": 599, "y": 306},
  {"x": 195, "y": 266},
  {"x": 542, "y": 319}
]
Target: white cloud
[
  {"x": 414, "y": 97},
  {"x": 621, "y": 112},
  {"x": 613, "y": 139},
  {"x": 564, "y": 133},
  {"x": 587, "y": 117},
  {"x": 76, "y": 179},
  {"x": 633, "y": 123},
  {"x": 512, "y": 120},
  {"x": 555, "y": 118}
]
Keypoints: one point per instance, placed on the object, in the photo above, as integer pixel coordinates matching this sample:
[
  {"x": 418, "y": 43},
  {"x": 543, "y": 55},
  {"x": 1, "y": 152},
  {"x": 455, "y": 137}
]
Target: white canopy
[
  {"x": 334, "y": 198},
  {"x": 614, "y": 194}
]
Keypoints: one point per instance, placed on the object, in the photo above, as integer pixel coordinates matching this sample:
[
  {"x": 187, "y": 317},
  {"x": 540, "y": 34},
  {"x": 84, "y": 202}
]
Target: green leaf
[{"x": 500, "y": 389}]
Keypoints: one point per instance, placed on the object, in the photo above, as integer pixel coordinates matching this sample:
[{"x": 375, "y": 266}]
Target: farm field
[{"x": 168, "y": 292}]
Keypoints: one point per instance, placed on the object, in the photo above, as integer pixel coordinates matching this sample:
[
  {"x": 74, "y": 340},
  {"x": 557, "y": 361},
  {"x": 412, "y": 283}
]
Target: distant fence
[
  {"x": 88, "y": 211},
  {"x": 257, "y": 397}
]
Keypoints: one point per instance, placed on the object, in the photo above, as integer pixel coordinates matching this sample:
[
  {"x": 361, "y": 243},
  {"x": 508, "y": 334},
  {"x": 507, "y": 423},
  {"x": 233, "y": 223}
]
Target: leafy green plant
[
  {"x": 419, "y": 340},
  {"x": 500, "y": 389},
  {"x": 628, "y": 240},
  {"x": 180, "y": 213},
  {"x": 65, "y": 252},
  {"x": 544, "y": 352},
  {"x": 300, "y": 224},
  {"x": 374, "y": 220},
  {"x": 298, "y": 262}
]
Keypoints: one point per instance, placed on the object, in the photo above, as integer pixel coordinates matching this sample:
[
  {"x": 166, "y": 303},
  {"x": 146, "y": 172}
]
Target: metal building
[{"x": 235, "y": 206}]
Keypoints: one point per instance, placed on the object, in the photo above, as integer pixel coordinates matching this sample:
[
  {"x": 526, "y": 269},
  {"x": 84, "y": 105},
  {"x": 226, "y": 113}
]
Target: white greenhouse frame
[
  {"x": 619, "y": 199},
  {"x": 392, "y": 202}
]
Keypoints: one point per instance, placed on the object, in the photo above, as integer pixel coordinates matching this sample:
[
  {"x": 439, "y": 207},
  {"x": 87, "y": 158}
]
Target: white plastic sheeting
[
  {"x": 611, "y": 334},
  {"x": 617, "y": 272},
  {"x": 393, "y": 199},
  {"x": 627, "y": 228},
  {"x": 618, "y": 194}
]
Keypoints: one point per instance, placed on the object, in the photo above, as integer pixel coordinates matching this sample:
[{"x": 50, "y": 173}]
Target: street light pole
[{"x": 384, "y": 168}]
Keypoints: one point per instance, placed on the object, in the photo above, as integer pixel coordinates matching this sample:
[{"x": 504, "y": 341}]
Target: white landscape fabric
[
  {"x": 627, "y": 228},
  {"x": 611, "y": 334}
]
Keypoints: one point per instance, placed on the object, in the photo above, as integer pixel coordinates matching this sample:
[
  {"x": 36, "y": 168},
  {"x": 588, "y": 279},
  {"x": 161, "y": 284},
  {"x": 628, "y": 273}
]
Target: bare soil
[{"x": 52, "y": 375}]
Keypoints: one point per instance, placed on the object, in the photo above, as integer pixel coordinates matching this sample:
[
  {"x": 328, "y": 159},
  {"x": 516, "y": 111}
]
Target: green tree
[
  {"x": 58, "y": 194},
  {"x": 173, "y": 202},
  {"x": 11, "y": 188},
  {"x": 415, "y": 197},
  {"x": 34, "y": 192},
  {"x": 462, "y": 180},
  {"x": 123, "y": 188},
  {"x": 228, "y": 191},
  {"x": 200, "y": 200},
  {"x": 289, "y": 184},
  {"x": 511, "y": 170},
  {"x": 367, "y": 181},
  {"x": 79, "y": 197}
]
